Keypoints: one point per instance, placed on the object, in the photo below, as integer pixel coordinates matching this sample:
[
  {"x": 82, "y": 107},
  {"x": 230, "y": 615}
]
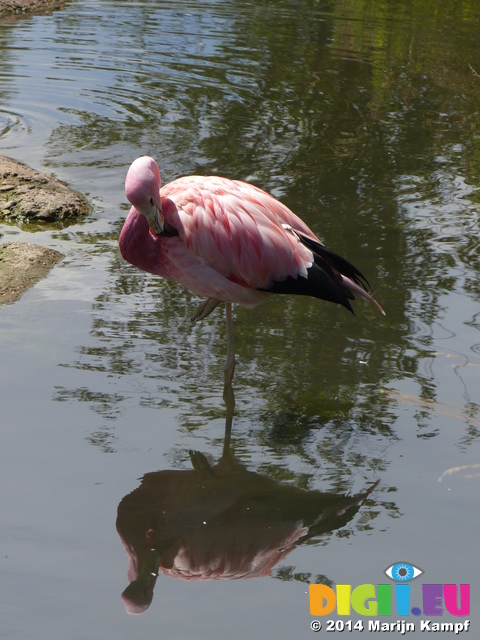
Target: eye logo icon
[
  {"x": 380, "y": 599},
  {"x": 403, "y": 572}
]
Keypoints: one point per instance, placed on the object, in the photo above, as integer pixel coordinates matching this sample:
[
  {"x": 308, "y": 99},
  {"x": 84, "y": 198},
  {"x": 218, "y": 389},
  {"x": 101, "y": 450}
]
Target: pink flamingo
[{"x": 230, "y": 242}]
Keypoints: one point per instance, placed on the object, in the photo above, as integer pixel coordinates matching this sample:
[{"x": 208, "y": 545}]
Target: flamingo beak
[{"x": 156, "y": 220}]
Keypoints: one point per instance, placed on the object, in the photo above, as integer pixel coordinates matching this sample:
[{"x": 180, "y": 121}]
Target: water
[{"x": 363, "y": 119}]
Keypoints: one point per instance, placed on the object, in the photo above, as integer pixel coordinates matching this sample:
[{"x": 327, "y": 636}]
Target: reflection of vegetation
[
  {"x": 288, "y": 574},
  {"x": 362, "y": 116},
  {"x": 104, "y": 440}
]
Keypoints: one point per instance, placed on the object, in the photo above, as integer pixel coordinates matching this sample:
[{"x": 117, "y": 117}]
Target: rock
[
  {"x": 11, "y": 9},
  {"x": 22, "y": 264},
  {"x": 27, "y": 195}
]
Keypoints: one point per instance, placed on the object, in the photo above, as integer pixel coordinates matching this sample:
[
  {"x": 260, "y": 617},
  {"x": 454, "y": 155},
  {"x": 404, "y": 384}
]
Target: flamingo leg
[
  {"x": 205, "y": 308},
  {"x": 229, "y": 398},
  {"x": 229, "y": 367}
]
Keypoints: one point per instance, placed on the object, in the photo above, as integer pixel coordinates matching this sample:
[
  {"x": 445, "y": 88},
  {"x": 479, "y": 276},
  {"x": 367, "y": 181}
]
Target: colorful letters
[{"x": 373, "y": 600}]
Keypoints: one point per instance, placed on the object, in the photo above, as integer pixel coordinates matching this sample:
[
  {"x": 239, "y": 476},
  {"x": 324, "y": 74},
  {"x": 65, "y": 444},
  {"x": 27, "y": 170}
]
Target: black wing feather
[{"x": 324, "y": 277}]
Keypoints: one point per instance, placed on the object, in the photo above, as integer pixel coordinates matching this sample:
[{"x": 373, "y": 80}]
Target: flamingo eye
[{"x": 151, "y": 202}]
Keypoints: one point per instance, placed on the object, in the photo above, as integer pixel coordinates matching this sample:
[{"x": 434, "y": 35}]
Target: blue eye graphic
[{"x": 403, "y": 572}]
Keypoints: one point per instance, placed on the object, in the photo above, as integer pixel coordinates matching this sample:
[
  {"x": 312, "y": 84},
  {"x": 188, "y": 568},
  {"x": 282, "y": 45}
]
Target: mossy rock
[
  {"x": 14, "y": 9},
  {"x": 22, "y": 264},
  {"x": 28, "y": 196}
]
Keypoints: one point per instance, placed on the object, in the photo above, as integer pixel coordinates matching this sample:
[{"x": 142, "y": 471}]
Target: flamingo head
[{"x": 142, "y": 188}]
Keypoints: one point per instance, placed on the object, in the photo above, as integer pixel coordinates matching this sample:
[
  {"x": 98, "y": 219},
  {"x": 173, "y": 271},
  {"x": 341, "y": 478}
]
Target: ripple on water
[
  {"x": 131, "y": 73},
  {"x": 11, "y": 122}
]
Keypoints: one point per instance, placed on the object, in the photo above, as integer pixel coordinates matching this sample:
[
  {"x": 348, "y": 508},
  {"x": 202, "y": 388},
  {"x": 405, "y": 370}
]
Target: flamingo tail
[{"x": 330, "y": 277}]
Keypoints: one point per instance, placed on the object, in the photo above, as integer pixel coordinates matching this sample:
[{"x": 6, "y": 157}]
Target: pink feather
[{"x": 230, "y": 241}]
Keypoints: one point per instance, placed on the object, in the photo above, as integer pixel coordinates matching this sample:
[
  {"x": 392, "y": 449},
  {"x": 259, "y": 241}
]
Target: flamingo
[{"x": 229, "y": 242}]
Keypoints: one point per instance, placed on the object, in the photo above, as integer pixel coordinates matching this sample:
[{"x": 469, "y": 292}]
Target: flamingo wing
[
  {"x": 255, "y": 241},
  {"x": 236, "y": 229}
]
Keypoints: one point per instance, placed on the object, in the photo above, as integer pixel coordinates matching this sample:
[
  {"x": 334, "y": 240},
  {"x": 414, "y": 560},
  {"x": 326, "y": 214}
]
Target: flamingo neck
[{"x": 138, "y": 246}]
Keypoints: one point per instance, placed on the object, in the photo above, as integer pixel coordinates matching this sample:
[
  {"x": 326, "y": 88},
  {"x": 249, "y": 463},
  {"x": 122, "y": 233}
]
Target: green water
[{"x": 363, "y": 118}]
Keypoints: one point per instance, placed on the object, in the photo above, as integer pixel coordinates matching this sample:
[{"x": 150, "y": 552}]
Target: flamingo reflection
[{"x": 218, "y": 521}]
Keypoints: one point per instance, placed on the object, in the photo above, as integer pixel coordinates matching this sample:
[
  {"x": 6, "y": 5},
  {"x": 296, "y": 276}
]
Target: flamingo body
[{"x": 230, "y": 241}]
